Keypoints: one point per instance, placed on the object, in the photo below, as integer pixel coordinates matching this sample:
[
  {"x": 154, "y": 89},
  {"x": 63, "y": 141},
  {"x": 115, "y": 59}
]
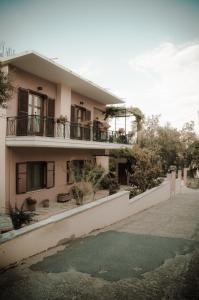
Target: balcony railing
[{"x": 34, "y": 125}]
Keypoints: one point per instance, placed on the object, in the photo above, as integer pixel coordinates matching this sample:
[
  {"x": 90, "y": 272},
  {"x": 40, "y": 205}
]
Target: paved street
[{"x": 151, "y": 255}]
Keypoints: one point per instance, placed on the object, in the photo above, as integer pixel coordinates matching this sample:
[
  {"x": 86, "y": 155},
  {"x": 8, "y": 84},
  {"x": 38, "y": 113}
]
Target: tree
[
  {"x": 193, "y": 156},
  {"x": 139, "y": 119},
  {"x": 6, "y": 88},
  {"x": 167, "y": 142},
  {"x": 187, "y": 134}
]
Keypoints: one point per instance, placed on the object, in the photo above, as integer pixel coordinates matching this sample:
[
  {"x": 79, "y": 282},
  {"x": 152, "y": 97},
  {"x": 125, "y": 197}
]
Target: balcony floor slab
[{"x": 48, "y": 142}]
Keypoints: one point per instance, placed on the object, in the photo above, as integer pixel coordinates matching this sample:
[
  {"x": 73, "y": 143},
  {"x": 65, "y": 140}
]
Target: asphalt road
[{"x": 147, "y": 256}]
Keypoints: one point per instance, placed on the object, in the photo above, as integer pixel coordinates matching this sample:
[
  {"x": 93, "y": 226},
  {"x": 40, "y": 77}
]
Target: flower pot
[
  {"x": 45, "y": 203},
  {"x": 63, "y": 197},
  {"x": 32, "y": 207}
]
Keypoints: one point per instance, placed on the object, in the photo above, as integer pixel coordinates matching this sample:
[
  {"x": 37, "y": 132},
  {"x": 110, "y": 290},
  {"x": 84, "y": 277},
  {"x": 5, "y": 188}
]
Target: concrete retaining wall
[{"x": 19, "y": 244}]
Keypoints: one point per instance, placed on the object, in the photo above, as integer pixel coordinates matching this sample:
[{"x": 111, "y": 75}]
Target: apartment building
[{"x": 55, "y": 117}]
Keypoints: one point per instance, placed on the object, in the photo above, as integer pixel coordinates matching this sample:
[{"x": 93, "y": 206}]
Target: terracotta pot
[
  {"x": 63, "y": 198},
  {"x": 32, "y": 207},
  {"x": 45, "y": 203}
]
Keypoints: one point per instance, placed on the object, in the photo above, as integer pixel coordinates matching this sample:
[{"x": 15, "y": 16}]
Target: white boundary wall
[{"x": 19, "y": 244}]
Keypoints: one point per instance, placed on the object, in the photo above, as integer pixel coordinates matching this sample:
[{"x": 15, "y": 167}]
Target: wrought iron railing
[{"x": 33, "y": 125}]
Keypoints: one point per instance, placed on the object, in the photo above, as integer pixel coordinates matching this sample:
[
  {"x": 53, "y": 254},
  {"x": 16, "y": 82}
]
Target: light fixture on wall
[{"x": 40, "y": 88}]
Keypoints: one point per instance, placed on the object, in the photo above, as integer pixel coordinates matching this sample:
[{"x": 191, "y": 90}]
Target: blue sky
[{"x": 145, "y": 51}]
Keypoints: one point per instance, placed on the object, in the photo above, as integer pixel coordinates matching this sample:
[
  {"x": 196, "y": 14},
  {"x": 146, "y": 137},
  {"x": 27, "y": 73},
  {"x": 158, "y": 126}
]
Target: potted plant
[
  {"x": 104, "y": 126},
  {"x": 31, "y": 203},
  {"x": 87, "y": 123},
  {"x": 78, "y": 194},
  {"x": 121, "y": 131},
  {"x": 63, "y": 197},
  {"x": 45, "y": 203},
  {"x": 62, "y": 119}
]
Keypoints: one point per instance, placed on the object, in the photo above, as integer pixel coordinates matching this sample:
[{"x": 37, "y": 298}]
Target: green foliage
[
  {"x": 109, "y": 182},
  {"x": 113, "y": 111},
  {"x": 6, "y": 88},
  {"x": 122, "y": 139},
  {"x": 20, "y": 217},
  {"x": 167, "y": 142},
  {"x": 144, "y": 168},
  {"x": 142, "y": 165},
  {"x": 193, "y": 156},
  {"x": 87, "y": 179},
  {"x": 78, "y": 193},
  {"x": 133, "y": 191}
]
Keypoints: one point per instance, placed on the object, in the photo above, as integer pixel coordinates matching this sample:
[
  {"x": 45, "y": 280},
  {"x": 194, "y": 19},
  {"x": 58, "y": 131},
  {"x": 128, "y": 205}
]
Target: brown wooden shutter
[
  {"x": 22, "y": 102},
  {"x": 21, "y": 178},
  {"x": 50, "y": 115},
  {"x": 51, "y": 108},
  {"x": 88, "y": 115},
  {"x": 72, "y": 117},
  {"x": 50, "y": 174},
  {"x": 22, "y": 120}
]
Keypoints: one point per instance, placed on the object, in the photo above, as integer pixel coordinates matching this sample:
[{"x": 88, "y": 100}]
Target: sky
[{"x": 145, "y": 51}]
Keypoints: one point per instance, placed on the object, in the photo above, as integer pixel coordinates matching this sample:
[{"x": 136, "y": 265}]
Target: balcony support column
[{"x": 3, "y": 160}]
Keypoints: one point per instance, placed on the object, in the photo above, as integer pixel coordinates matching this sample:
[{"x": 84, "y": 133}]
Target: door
[
  {"x": 35, "y": 114},
  {"x": 78, "y": 129},
  {"x": 122, "y": 174}
]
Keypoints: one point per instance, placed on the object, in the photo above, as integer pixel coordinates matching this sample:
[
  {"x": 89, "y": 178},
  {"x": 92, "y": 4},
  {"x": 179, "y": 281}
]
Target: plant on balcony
[
  {"x": 104, "y": 126},
  {"x": 63, "y": 197},
  {"x": 62, "y": 119},
  {"x": 121, "y": 130},
  {"x": 114, "y": 111},
  {"x": 122, "y": 139},
  {"x": 31, "y": 203},
  {"x": 86, "y": 123}
]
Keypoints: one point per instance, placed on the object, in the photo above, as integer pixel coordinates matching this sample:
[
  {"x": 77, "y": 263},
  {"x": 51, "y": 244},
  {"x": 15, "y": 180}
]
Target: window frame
[{"x": 22, "y": 176}]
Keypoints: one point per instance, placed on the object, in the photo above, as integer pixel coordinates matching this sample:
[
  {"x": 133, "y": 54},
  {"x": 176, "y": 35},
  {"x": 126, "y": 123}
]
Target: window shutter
[
  {"x": 50, "y": 117},
  {"x": 50, "y": 174},
  {"x": 21, "y": 178},
  {"x": 22, "y": 102},
  {"x": 22, "y": 121},
  {"x": 51, "y": 108},
  {"x": 72, "y": 117},
  {"x": 88, "y": 115}
]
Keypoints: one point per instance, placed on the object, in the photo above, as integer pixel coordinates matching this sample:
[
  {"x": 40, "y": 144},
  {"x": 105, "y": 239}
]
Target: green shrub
[
  {"x": 20, "y": 217},
  {"x": 133, "y": 191},
  {"x": 105, "y": 182},
  {"x": 78, "y": 193},
  {"x": 122, "y": 139}
]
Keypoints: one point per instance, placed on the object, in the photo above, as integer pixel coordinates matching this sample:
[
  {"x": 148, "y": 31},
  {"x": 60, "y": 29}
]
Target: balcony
[{"x": 40, "y": 127}]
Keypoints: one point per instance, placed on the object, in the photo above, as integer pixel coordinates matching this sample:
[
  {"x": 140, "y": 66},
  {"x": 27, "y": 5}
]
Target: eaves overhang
[{"x": 48, "y": 69}]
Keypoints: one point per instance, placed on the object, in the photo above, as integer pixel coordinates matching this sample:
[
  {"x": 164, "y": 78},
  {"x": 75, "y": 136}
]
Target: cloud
[{"x": 170, "y": 76}]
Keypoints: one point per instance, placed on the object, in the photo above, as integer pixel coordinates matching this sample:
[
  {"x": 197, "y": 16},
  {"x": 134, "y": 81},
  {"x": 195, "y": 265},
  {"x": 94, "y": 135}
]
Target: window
[
  {"x": 35, "y": 113},
  {"x": 35, "y": 175}
]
